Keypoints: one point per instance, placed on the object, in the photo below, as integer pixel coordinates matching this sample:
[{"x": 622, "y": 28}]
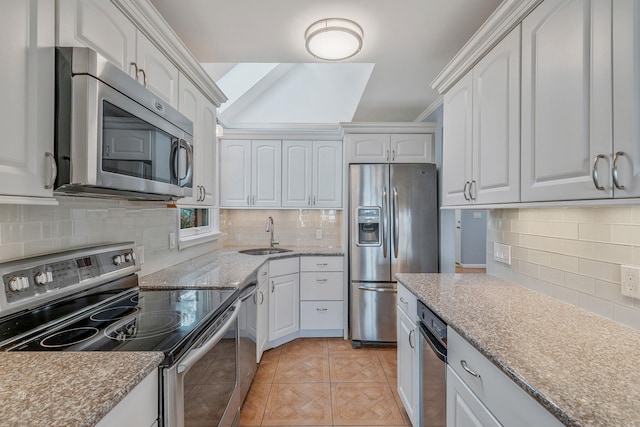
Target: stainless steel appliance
[
  {"x": 433, "y": 353},
  {"x": 88, "y": 300},
  {"x": 114, "y": 137},
  {"x": 393, "y": 229}
]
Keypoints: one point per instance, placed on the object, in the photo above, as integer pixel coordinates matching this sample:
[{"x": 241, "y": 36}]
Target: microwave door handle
[
  {"x": 194, "y": 355},
  {"x": 188, "y": 149},
  {"x": 173, "y": 161}
]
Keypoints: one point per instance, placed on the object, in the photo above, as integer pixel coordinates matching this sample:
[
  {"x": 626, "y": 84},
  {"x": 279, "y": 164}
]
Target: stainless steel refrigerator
[{"x": 393, "y": 228}]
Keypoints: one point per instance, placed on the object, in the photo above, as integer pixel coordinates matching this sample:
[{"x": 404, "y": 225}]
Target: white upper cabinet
[
  {"x": 27, "y": 166},
  {"x": 198, "y": 109},
  {"x": 456, "y": 147},
  {"x": 312, "y": 174},
  {"x": 626, "y": 97},
  {"x": 250, "y": 173},
  {"x": 156, "y": 72},
  {"x": 567, "y": 101},
  {"x": 393, "y": 148},
  {"x": 100, "y": 25},
  {"x": 481, "y": 150}
]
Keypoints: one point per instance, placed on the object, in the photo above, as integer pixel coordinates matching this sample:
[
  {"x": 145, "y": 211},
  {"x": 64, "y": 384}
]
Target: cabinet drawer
[
  {"x": 510, "y": 404},
  {"x": 321, "y": 285},
  {"x": 321, "y": 263},
  {"x": 321, "y": 315},
  {"x": 263, "y": 274},
  {"x": 280, "y": 267},
  {"x": 408, "y": 302}
]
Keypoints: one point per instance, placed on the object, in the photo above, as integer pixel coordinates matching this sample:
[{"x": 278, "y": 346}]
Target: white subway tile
[
  {"x": 565, "y": 294},
  {"x": 581, "y": 215},
  {"x": 552, "y": 275},
  {"x": 564, "y": 262},
  {"x": 611, "y": 292},
  {"x": 612, "y": 215},
  {"x": 599, "y": 270},
  {"x": 596, "y": 305},
  {"x": 626, "y": 234},
  {"x": 11, "y": 213},
  {"x": 627, "y": 315},
  {"x": 21, "y": 232},
  {"x": 615, "y": 253},
  {"x": 11, "y": 251},
  {"x": 528, "y": 269},
  {"x": 540, "y": 257},
  {"x": 526, "y": 214},
  {"x": 551, "y": 214},
  {"x": 539, "y": 285},
  {"x": 580, "y": 283},
  {"x": 595, "y": 232},
  {"x": 578, "y": 248}
]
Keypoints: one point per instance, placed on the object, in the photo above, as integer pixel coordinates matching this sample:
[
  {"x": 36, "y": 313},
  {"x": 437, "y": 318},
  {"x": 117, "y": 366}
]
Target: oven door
[{"x": 200, "y": 389}]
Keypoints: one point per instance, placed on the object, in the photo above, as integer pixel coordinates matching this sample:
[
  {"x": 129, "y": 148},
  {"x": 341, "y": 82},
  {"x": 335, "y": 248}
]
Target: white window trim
[{"x": 195, "y": 236}]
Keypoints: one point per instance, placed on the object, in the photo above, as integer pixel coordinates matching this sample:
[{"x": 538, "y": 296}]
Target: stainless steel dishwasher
[{"x": 433, "y": 354}]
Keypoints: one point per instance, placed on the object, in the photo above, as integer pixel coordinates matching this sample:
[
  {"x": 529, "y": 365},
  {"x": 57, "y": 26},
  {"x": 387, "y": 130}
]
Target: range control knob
[
  {"x": 18, "y": 283},
  {"x": 43, "y": 277},
  {"x": 128, "y": 257},
  {"x": 118, "y": 259}
]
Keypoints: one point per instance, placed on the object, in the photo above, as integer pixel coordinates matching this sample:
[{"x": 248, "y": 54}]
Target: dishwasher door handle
[{"x": 436, "y": 346}]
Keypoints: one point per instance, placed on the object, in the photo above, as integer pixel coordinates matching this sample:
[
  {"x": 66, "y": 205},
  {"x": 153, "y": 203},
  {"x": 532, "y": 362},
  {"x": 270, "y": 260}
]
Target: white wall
[
  {"x": 33, "y": 230},
  {"x": 572, "y": 254}
]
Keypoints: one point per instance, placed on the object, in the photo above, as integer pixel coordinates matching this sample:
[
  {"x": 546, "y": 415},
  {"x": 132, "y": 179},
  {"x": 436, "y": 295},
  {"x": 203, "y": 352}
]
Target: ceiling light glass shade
[{"x": 333, "y": 39}]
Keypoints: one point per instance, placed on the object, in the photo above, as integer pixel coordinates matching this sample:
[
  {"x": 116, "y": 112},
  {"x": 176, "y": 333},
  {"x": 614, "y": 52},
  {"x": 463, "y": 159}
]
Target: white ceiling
[{"x": 406, "y": 43}]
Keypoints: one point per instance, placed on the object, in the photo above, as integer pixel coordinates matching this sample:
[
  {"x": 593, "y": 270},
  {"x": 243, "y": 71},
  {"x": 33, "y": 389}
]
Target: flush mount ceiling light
[{"x": 333, "y": 39}]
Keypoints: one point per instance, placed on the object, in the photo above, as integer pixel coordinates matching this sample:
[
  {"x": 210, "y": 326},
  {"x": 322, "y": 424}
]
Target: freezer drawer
[{"x": 373, "y": 312}]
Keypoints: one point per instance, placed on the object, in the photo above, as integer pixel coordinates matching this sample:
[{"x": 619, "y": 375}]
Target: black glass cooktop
[{"x": 166, "y": 321}]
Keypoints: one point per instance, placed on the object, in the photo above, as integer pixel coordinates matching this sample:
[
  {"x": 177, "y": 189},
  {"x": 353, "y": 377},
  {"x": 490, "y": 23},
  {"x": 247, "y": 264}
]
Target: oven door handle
[{"x": 194, "y": 355}]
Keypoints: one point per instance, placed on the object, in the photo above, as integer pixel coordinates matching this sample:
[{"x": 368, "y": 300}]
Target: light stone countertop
[
  {"x": 582, "y": 367},
  {"x": 225, "y": 268},
  {"x": 68, "y": 388}
]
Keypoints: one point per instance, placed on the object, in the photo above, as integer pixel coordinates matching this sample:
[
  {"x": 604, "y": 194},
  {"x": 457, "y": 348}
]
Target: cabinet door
[
  {"x": 464, "y": 409},
  {"x": 284, "y": 306},
  {"x": 296, "y": 173},
  {"x": 496, "y": 123},
  {"x": 407, "y": 357},
  {"x": 266, "y": 180},
  {"x": 626, "y": 96},
  {"x": 189, "y": 105},
  {"x": 369, "y": 148},
  {"x": 235, "y": 173},
  {"x": 159, "y": 74},
  {"x": 262, "y": 295},
  {"x": 412, "y": 148},
  {"x": 566, "y": 101},
  {"x": 207, "y": 161},
  {"x": 327, "y": 174},
  {"x": 27, "y": 111},
  {"x": 97, "y": 24},
  {"x": 457, "y": 140}
]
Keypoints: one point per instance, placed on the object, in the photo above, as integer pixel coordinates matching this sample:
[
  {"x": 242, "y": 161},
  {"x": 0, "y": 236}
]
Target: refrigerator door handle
[
  {"x": 384, "y": 221},
  {"x": 396, "y": 224},
  {"x": 374, "y": 289}
]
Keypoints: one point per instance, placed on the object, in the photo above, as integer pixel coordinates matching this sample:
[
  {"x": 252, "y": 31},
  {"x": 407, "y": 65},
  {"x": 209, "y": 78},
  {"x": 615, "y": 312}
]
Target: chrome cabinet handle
[
  {"x": 135, "y": 68},
  {"x": 471, "y": 186},
  {"x": 387, "y": 155},
  {"x": 264, "y": 273},
  {"x": 393, "y": 155},
  {"x": 144, "y": 76},
  {"x": 314, "y": 200},
  {"x": 594, "y": 172},
  {"x": 248, "y": 201},
  {"x": 254, "y": 200},
  {"x": 396, "y": 223},
  {"x": 322, "y": 309},
  {"x": 261, "y": 297},
  {"x": 273, "y": 287},
  {"x": 54, "y": 171},
  {"x": 384, "y": 222},
  {"x": 402, "y": 300},
  {"x": 614, "y": 171},
  {"x": 204, "y": 192},
  {"x": 412, "y": 344},
  {"x": 309, "y": 201},
  {"x": 466, "y": 368},
  {"x": 322, "y": 264},
  {"x": 464, "y": 191},
  {"x": 321, "y": 280}
]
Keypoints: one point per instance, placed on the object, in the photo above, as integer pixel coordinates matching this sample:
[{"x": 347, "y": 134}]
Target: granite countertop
[
  {"x": 582, "y": 367},
  {"x": 224, "y": 269},
  {"x": 68, "y": 388}
]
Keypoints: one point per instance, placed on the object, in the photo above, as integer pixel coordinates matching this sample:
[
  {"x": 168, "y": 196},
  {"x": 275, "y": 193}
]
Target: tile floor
[{"x": 324, "y": 382}]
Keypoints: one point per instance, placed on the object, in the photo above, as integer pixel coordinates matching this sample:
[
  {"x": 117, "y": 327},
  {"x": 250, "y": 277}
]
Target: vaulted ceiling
[{"x": 254, "y": 50}]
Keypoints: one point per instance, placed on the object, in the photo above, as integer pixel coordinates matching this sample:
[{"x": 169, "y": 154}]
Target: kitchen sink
[{"x": 264, "y": 251}]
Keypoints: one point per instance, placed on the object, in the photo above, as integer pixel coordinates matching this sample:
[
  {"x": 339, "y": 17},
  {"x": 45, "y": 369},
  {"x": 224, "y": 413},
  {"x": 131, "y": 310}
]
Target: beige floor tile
[
  {"x": 299, "y": 368},
  {"x": 254, "y": 405},
  {"x": 266, "y": 371},
  {"x": 306, "y": 346},
  {"x": 364, "y": 404},
  {"x": 298, "y": 404},
  {"x": 389, "y": 363},
  {"x": 272, "y": 354},
  {"x": 339, "y": 344},
  {"x": 362, "y": 367}
]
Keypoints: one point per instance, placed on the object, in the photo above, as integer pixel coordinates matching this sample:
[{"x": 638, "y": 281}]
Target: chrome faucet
[{"x": 270, "y": 228}]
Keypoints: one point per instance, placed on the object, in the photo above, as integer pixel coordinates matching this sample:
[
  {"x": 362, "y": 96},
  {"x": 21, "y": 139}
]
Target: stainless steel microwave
[{"x": 114, "y": 137}]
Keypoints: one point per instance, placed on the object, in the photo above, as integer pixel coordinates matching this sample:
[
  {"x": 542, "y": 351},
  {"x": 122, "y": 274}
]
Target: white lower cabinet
[
  {"x": 262, "y": 315},
  {"x": 321, "y": 296},
  {"x": 284, "y": 298},
  {"x": 408, "y": 356},
  {"x": 138, "y": 408},
  {"x": 477, "y": 388}
]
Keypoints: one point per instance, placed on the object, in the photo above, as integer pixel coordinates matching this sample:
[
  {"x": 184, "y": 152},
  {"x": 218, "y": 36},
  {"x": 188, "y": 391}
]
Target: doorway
[{"x": 470, "y": 240}]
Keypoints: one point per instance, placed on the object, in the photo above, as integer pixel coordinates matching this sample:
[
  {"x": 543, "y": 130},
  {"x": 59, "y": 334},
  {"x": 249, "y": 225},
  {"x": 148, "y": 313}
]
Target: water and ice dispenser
[{"x": 369, "y": 227}]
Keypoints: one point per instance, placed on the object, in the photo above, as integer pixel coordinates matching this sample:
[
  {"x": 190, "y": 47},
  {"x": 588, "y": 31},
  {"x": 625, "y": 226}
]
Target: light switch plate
[
  {"x": 502, "y": 253},
  {"x": 318, "y": 233}
]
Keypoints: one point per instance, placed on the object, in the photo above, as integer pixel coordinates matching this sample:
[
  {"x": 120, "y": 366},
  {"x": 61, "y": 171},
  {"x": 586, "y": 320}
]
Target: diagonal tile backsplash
[{"x": 572, "y": 254}]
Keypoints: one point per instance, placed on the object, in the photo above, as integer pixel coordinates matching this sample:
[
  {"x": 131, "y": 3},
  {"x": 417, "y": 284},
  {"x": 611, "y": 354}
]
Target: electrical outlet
[
  {"x": 172, "y": 240},
  {"x": 140, "y": 254},
  {"x": 630, "y": 281},
  {"x": 502, "y": 253},
  {"x": 318, "y": 233}
]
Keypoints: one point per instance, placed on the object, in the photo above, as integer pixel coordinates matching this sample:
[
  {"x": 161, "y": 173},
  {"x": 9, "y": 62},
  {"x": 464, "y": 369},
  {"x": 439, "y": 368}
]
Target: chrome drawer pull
[
  {"x": 594, "y": 172},
  {"x": 466, "y": 368},
  {"x": 321, "y": 280},
  {"x": 322, "y": 309},
  {"x": 614, "y": 172},
  {"x": 322, "y": 265},
  {"x": 412, "y": 342}
]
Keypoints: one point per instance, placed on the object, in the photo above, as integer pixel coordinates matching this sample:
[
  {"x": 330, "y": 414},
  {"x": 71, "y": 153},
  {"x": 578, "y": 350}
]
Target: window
[{"x": 197, "y": 225}]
